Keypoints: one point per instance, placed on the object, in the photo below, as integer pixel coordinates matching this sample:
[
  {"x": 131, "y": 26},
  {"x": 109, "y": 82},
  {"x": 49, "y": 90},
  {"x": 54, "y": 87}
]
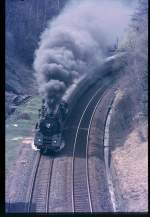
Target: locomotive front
[{"x": 48, "y": 135}]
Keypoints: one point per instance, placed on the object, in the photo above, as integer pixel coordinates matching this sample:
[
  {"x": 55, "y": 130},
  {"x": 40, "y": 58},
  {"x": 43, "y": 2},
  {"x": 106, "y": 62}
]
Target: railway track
[
  {"x": 95, "y": 159},
  {"x": 87, "y": 152},
  {"x": 81, "y": 191},
  {"x": 39, "y": 188}
]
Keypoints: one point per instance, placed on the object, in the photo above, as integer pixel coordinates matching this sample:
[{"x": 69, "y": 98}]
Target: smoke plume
[{"x": 75, "y": 43}]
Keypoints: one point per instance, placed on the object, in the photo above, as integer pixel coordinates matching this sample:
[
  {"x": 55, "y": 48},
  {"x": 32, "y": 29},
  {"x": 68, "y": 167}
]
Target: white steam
[{"x": 75, "y": 43}]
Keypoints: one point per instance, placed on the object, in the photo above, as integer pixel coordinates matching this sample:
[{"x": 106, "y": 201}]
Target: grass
[{"x": 17, "y": 129}]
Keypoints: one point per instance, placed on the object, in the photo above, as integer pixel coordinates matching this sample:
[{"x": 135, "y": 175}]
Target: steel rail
[
  {"x": 33, "y": 175},
  {"x": 74, "y": 146},
  {"x": 49, "y": 184}
]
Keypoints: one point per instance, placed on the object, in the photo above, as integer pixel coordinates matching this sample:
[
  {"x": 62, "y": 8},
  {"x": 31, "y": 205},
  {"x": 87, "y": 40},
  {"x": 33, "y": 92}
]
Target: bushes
[{"x": 135, "y": 80}]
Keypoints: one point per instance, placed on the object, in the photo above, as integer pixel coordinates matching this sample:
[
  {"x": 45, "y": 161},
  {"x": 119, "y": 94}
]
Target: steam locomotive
[{"x": 48, "y": 129}]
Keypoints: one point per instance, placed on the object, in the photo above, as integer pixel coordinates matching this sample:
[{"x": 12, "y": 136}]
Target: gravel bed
[{"x": 61, "y": 185}]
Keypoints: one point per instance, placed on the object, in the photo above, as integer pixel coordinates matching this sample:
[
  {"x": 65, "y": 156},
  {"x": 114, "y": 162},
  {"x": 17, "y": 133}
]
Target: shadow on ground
[{"x": 18, "y": 207}]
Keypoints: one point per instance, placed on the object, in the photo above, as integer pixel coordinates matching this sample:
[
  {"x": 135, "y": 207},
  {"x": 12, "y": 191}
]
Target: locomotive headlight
[
  {"x": 55, "y": 141},
  {"x": 48, "y": 125},
  {"x": 39, "y": 140}
]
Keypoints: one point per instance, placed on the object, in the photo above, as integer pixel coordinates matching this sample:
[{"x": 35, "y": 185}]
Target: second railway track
[{"x": 81, "y": 195}]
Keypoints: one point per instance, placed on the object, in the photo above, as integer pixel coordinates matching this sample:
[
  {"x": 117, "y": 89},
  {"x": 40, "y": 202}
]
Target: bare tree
[
  {"x": 136, "y": 70},
  {"x": 58, "y": 4}
]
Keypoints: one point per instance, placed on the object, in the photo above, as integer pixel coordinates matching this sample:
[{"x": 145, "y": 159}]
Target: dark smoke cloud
[{"x": 75, "y": 43}]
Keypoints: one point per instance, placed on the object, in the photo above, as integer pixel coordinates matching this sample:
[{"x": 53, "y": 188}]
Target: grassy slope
[{"x": 15, "y": 135}]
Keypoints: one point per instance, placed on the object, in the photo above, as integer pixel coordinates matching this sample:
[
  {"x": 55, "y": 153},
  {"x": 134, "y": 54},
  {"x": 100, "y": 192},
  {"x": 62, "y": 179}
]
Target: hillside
[{"x": 25, "y": 20}]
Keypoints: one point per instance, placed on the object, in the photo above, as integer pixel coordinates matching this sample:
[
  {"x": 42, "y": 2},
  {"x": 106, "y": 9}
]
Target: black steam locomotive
[
  {"x": 48, "y": 135},
  {"x": 48, "y": 130}
]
